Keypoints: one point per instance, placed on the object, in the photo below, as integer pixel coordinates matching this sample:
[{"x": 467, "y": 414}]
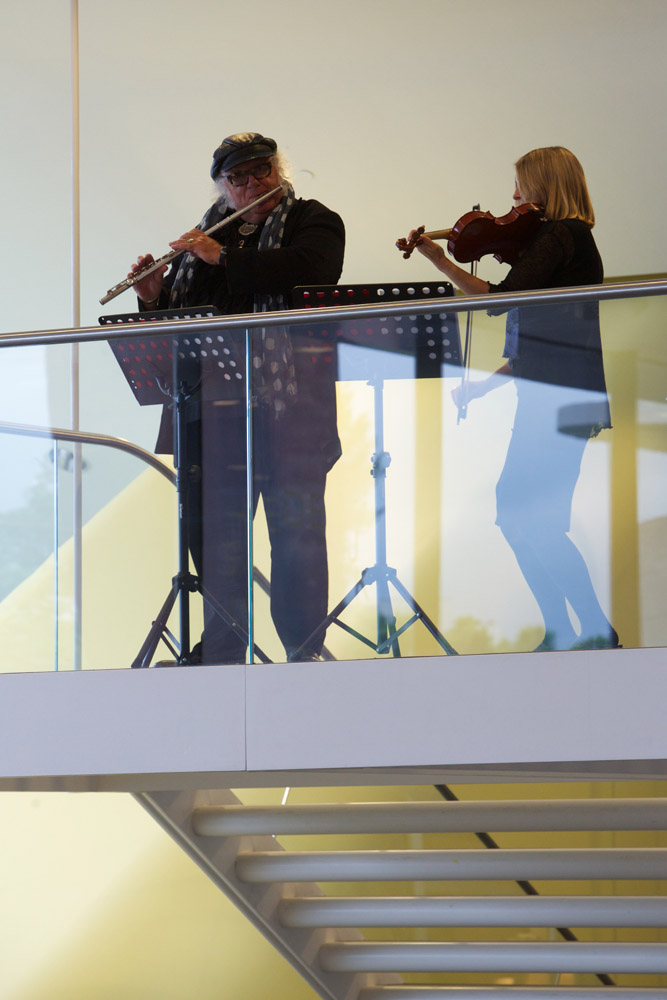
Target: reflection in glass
[{"x": 561, "y": 403}]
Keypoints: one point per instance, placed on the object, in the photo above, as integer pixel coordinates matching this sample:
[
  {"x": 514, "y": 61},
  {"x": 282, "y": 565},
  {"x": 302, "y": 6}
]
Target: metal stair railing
[{"x": 279, "y": 890}]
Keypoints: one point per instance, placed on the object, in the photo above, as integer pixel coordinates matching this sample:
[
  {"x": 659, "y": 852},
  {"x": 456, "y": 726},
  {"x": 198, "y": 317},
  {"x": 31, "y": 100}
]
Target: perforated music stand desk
[
  {"x": 433, "y": 341},
  {"x": 159, "y": 367}
]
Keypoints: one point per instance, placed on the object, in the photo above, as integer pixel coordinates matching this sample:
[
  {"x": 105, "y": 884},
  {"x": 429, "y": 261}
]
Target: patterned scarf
[{"x": 274, "y": 378}]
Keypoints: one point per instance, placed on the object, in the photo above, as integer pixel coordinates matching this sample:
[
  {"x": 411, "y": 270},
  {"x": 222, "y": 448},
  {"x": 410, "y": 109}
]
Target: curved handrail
[
  {"x": 84, "y": 437},
  {"x": 294, "y": 317}
]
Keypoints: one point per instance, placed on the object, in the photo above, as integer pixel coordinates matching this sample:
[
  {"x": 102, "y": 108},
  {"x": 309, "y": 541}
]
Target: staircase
[{"x": 412, "y": 958}]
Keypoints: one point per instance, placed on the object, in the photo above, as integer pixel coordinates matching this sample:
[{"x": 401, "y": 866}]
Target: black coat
[{"x": 311, "y": 254}]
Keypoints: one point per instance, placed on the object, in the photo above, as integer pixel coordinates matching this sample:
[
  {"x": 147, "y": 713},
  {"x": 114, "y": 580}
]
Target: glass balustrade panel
[
  {"x": 395, "y": 512},
  {"x": 28, "y": 515},
  {"x": 57, "y": 492},
  {"x": 467, "y": 509}
]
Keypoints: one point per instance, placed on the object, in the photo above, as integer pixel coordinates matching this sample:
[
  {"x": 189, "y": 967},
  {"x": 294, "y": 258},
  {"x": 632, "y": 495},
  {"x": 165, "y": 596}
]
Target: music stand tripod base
[{"x": 380, "y": 573}]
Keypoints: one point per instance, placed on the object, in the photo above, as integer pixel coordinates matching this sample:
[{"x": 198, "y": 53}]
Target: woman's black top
[{"x": 559, "y": 343}]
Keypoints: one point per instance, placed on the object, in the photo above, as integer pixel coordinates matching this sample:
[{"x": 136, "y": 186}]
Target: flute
[{"x": 132, "y": 279}]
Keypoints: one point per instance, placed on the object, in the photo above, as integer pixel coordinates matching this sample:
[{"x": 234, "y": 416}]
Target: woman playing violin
[{"x": 554, "y": 355}]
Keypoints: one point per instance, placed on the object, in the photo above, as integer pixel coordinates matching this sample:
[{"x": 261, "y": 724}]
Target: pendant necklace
[{"x": 247, "y": 229}]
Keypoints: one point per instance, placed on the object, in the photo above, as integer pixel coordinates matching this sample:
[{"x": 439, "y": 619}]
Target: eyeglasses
[{"x": 241, "y": 177}]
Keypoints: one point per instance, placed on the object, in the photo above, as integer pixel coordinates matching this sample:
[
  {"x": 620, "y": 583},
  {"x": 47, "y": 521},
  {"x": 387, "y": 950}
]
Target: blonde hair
[{"x": 553, "y": 178}]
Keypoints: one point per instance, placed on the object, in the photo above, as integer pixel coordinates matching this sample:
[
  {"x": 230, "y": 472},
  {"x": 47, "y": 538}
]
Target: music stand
[
  {"x": 160, "y": 367},
  {"x": 433, "y": 341}
]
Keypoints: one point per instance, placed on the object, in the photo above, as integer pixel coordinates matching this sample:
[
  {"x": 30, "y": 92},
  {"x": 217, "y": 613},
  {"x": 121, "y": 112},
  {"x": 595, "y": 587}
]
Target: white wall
[{"x": 393, "y": 113}]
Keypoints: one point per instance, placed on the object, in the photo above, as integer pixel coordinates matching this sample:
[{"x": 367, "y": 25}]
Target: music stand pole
[
  {"x": 184, "y": 582},
  {"x": 380, "y": 462}
]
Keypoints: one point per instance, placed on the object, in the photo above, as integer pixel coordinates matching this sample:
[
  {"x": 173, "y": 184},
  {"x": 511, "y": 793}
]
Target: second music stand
[{"x": 433, "y": 341}]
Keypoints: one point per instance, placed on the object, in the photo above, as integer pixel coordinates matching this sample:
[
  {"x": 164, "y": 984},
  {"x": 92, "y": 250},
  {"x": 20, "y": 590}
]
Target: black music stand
[
  {"x": 433, "y": 341},
  {"x": 159, "y": 366}
]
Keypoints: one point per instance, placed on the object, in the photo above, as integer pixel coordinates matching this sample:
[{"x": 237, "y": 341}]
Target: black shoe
[{"x": 193, "y": 659}]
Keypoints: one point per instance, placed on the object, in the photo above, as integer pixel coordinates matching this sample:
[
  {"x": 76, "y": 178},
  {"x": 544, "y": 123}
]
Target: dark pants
[{"x": 291, "y": 481}]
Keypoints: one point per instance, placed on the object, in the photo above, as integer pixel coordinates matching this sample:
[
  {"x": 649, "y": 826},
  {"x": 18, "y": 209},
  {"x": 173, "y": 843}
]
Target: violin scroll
[{"x": 407, "y": 246}]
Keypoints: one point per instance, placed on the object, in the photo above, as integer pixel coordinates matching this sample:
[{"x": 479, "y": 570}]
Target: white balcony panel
[
  {"x": 432, "y": 719},
  {"x": 458, "y": 710},
  {"x": 122, "y": 722}
]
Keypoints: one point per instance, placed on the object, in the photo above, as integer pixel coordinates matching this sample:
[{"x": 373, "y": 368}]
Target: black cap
[{"x": 240, "y": 148}]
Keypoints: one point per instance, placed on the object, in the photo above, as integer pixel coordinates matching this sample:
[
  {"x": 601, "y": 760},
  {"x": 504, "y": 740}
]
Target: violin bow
[{"x": 465, "y": 374}]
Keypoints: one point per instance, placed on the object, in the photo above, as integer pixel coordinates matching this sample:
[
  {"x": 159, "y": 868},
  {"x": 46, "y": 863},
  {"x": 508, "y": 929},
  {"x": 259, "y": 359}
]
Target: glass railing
[
  {"x": 407, "y": 503},
  {"x": 473, "y": 509}
]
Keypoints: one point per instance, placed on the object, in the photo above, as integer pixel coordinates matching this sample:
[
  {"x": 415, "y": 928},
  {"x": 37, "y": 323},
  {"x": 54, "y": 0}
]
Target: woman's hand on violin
[
  {"x": 198, "y": 244},
  {"x": 418, "y": 241},
  {"x": 431, "y": 250},
  {"x": 149, "y": 288},
  {"x": 467, "y": 282}
]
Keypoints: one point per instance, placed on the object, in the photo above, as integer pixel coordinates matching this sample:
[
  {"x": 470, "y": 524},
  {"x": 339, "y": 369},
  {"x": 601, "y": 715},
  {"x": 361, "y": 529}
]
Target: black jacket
[
  {"x": 560, "y": 343},
  {"x": 311, "y": 254}
]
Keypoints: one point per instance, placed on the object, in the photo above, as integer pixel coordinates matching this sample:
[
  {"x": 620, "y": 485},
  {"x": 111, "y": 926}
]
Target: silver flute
[{"x": 132, "y": 279}]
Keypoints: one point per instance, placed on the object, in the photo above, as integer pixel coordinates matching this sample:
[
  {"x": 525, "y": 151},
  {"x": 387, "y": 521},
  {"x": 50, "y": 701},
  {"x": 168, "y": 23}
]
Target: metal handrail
[
  {"x": 79, "y": 438},
  {"x": 295, "y": 317},
  {"x": 121, "y": 444}
]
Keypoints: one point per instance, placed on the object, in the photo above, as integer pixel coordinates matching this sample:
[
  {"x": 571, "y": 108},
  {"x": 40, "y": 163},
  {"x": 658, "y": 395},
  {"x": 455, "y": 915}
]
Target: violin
[{"x": 479, "y": 233}]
